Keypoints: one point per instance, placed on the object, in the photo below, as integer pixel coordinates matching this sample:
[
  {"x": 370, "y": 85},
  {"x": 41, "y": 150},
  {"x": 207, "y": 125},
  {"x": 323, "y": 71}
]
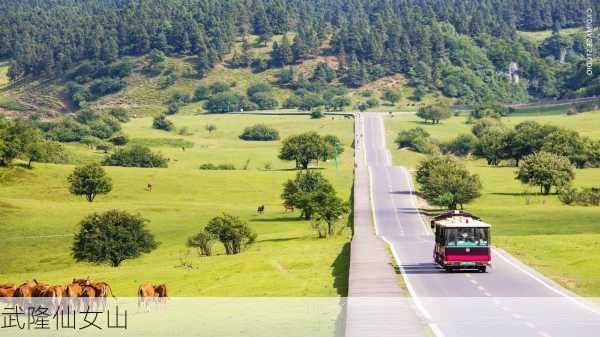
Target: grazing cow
[
  {"x": 74, "y": 291},
  {"x": 161, "y": 292},
  {"x": 102, "y": 291},
  {"x": 261, "y": 209},
  {"x": 149, "y": 188},
  {"x": 146, "y": 294}
]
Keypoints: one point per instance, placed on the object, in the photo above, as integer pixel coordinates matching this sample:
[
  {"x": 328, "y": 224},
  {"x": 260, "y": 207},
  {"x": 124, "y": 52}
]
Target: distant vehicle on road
[{"x": 462, "y": 241}]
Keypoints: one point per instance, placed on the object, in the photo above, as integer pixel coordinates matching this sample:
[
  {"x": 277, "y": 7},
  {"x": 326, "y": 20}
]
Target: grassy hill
[
  {"x": 561, "y": 241},
  {"x": 40, "y": 216},
  {"x": 144, "y": 95}
]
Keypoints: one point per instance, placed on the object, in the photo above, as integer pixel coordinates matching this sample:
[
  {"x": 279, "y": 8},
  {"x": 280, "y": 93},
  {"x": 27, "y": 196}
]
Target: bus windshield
[{"x": 467, "y": 236}]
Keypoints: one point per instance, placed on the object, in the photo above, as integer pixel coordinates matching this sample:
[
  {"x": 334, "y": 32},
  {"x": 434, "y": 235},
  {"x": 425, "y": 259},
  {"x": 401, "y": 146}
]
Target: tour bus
[{"x": 462, "y": 241}]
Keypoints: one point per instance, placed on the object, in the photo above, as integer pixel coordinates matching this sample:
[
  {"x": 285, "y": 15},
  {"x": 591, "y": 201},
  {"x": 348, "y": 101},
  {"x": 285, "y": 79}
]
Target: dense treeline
[{"x": 463, "y": 48}]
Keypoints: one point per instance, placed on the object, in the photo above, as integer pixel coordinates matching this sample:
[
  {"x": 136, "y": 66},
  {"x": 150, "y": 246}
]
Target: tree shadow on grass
[
  {"x": 341, "y": 269},
  {"x": 522, "y": 194},
  {"x": 277, "y": 219}
]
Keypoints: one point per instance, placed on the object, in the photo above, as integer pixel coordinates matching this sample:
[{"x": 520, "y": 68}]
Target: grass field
[
  {"x": 561, "y": 241},
  {"x": 539, "y": 36},
  {"x": 39, "y": 216}
]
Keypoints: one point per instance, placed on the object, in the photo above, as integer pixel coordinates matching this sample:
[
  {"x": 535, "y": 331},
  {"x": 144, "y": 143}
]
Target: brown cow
[
  {"x": 146, "y": 294},
  {"x": 102, "y": 291},
  {"x": 161, "y": 292}
]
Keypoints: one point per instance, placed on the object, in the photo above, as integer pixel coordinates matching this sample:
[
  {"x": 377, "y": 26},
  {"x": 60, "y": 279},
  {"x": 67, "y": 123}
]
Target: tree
[
  {"x": 327, "y": 211},
  {"x": 305, "y": 192},
  {"x": 162, "y": 123},
  {"x": 89, "y": 180},
  {"x": 113, "y": 237},
  {"x": 434, "y": 113},
  {"x": 566, "y": 143},
  {"x": 223, "y": 102},
  {"x": 527, "y": 138},
  {"x": 545, "y": 170},
  {"x": 485, "y": 125},
  {"x": 282, "y": 54},
  {"x": 302, "y": 148},
  {"x": 234, "y": 234},
  {"x": 445, "y": 181},
  {"x": 391, "y": 96}
]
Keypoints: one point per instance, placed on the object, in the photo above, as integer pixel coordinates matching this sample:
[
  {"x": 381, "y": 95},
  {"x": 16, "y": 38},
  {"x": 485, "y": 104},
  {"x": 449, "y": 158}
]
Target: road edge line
[
  {"x": 544, "y": 283},
  {"x": 424, "y": 312}
]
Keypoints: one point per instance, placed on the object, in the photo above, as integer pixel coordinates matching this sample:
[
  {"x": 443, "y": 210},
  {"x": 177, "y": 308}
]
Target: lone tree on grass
[
  {"x": 309, "y": 146},
  {"x": 328, "y": 211},
  {"x": 113, "y": 237},
  {"x": 545, "y": 170},
  {"x": 434, "y": 113},
  {"x": 89, "y": 180},
  {"x": 446, "y": 182}
]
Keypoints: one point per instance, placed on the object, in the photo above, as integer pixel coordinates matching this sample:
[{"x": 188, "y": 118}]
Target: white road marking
[
  {"x": 496, "y": 301},
  {"x": 517, "y": 316},
  {"x": 487, "y": 294},
  {"x": 530, "y": 325},
  {"x": 474, "y": 281},
  {"x": 387, "y": 175},
  {"x": 505, "y": 309},
  {"x": 545, "y": 334},
  {"x": 468, "y": 275},
  {"x": 481, "y": 288}
]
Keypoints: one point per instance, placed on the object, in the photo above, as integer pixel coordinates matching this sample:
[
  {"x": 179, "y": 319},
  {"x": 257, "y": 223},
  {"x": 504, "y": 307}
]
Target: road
[{"x": 512, "y": 300}]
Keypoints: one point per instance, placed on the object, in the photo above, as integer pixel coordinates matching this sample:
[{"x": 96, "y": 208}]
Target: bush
[
  {"x": 264, "y": 100},
  {"x": 258, "y": 87},
  {"x": 406, "y": 138},
  {"x": 223, "y": 102},
  {"x": 135, "y": 156},
  {"x": 173, "y": 108},
  {"x": 162, "y": 123},
  {"x": 462, "y": 145},
  {"x": 105, "y": 86},
  {"x": 119, "y": 114},
  {"x": 391, "y": 96},
  {"x": 316, "y": 114},
  {"x": 119, "y": 140},
  {"x": 179, "y": 98},
  {"x": 234, "y": 234},
  {"x": 202, "y": 92},
  {"x": 260, "y": 132},
  {"x": 586, "y": 196},
  {"x": 218, "y": 87},
  {"x": 169, "y": 80},
  {"x": 203, "y": 241},
  {"x": 223, "y": 167},
  {"x": 372, "y": 102},
  {"x": 568, "y": 195}
]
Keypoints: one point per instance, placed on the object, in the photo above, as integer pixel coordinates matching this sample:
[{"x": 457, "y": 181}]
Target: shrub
[
  {"x": 135, "y": 156},
  {"x": 260, "y": 132},
  {"x": 119, "y": 114},
  {"x": 406, "y": 138},
  {"x": 173, "y": 108},
  {"x": 223, "y": 167},
  {"x": 223, "y": 102},
  {"x": 162, "y": 123},
  {"x": 105, "y": 86},
  {"x": 202, "y": 92},
  {"x": 568, "y": 195},
  {"x": 373, "y": 102},
  {"x": 264, "y": 100},
  {"x": 391, "y": 96},
  {"x": 462, "y": 145},
  {"x": 203, "y": 241},
  {"x": 316, "y": 114},
  {"x": 119, "y": 140},
  {"x": 258, "y": 87},
  {"x": 234, "y": 234},
  {"x": 218, "y": 87}
]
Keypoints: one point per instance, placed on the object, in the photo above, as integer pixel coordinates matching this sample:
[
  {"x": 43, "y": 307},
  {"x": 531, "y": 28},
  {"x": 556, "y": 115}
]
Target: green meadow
[
  {"x": 561, "y": 241},
  {"x": 39, "y": 216}
]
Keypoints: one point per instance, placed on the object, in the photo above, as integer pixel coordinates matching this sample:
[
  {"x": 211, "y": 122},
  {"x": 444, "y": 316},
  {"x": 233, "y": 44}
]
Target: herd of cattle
[{"x": 80, "y": 292}]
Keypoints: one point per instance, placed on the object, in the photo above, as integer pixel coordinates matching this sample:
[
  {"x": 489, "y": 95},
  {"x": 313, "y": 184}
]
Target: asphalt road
[{"x": 511, "y": 300}]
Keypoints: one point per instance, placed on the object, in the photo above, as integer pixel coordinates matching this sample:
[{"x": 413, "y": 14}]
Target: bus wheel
[{"x": 482, "y": 269}]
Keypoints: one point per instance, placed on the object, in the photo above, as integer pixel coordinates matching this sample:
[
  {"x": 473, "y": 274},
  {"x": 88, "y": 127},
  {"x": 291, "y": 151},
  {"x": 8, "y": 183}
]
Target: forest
[{"x": 463, "y": 48}]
